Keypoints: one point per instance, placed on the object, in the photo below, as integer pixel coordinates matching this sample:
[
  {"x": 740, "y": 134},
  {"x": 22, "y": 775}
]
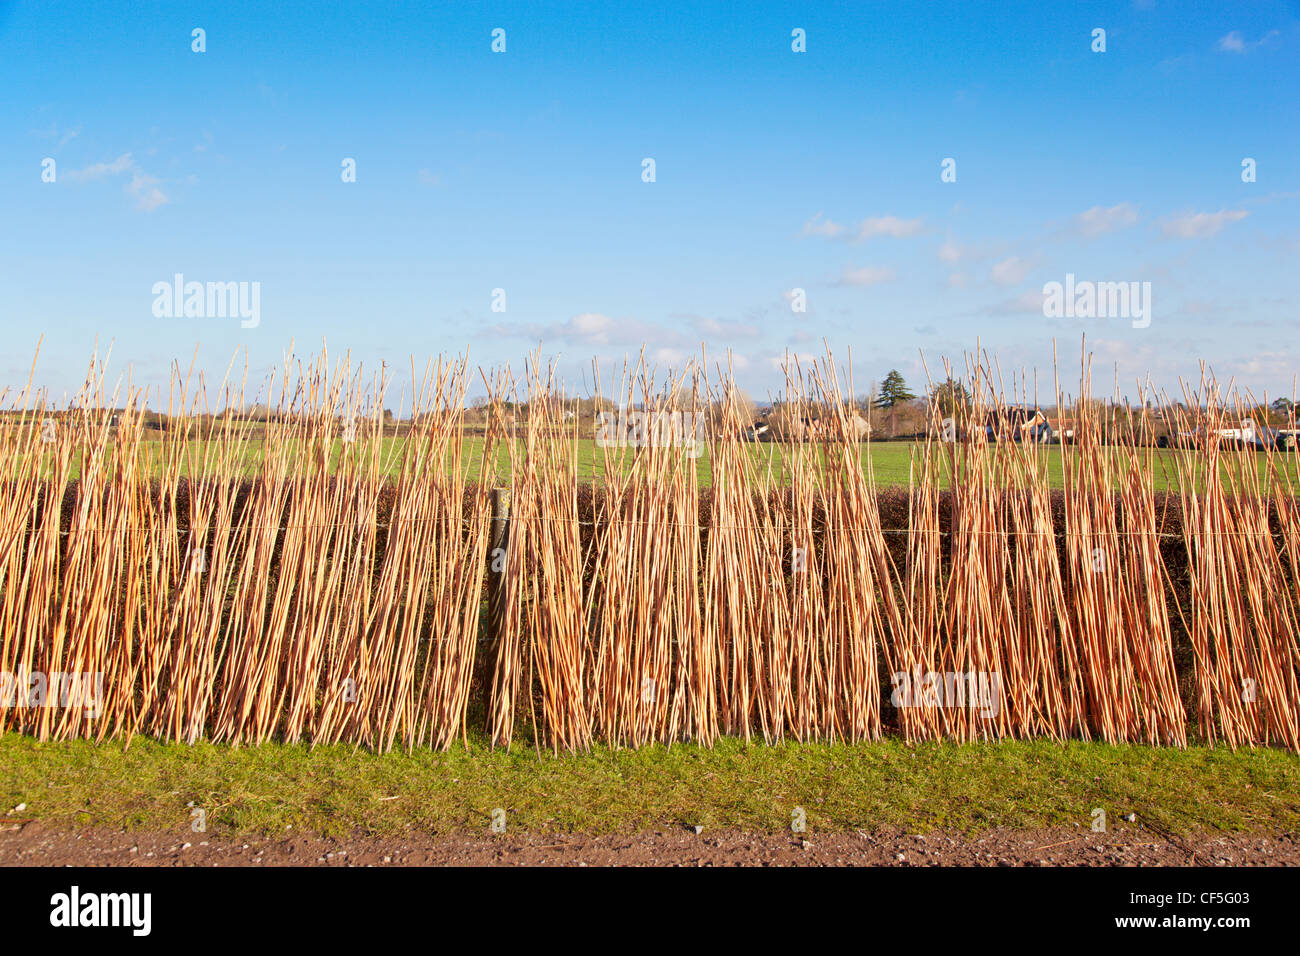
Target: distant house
[
  {"x": 1018, "y": 423},
  {"x": 809, "y": 428}
]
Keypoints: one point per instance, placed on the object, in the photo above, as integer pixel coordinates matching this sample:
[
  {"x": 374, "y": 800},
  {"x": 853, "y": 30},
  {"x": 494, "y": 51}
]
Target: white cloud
[
  {"x": 1234, "y": 42},
  {"x": 817, "y": 226},
  {"x": 428, "y": 178},
  {"x": 101, "y": 170},
  {"x": 144, "y": 190},
  {"x": 1276, "y": 363},
  {"x": 779, "y": 360},
  {"x": 730, "y": 330},
  {"x": 587, "y": 328},
  {"x": 64, "y": 138},
  {"x": 867, "y": 275},
  {"x": 1100, "y": 220},
  {"x": 1201, "y": 225},
  {"x": 1031, "y": 301},
  {"x": 890, "y": 226},
  {"x": 591, "y": 329},
  {"x": 1010, "y": 271},
  {"x": 953, "y": 252},
  {"x": 669, "y": 356},
  {"x": 869, "y": 228}
]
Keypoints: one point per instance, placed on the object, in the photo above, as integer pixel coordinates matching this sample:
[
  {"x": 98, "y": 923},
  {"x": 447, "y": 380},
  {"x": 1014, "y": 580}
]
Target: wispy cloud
[
  {"x": 953, "y": 252},
  {"x": 591, "y": 329},
  {"x": 101, "y": 170},
  {"x": 1171, "y": 64},
  {"x": 779, "y": 361},
  {"x": 1234, "y": 42},
  {"x": 62, "y": 138},
  {"x": 890, "y": 226},
  {"x": 725, "y": 330},
  {"x": 1277, "y": 363},
  {"x": 867, "y": 275},
  {"x": 1100, "y": 220},
  {"x": 143, "y": 188},
  {"x": 869, "y": 228},
  {"x": 1010, "y": 271},
  {"x": 1201, "y": 225},
  {"x": 1027, "y": 302},
  {"x": 1271, "y": 198},
  {"x": 817, "y": 226}
]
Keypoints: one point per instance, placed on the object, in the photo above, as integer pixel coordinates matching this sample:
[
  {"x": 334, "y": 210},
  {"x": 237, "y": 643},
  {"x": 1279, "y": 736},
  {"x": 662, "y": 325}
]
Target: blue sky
[{"x": 774, "y": 170}]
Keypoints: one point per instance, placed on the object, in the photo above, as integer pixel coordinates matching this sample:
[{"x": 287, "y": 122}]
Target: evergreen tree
[
  {"x": 893, "y": 391},
  {"x": 950, "y": 395}
]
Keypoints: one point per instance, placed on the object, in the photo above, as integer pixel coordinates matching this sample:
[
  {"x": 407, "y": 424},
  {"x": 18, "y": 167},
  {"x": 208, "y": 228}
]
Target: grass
[
  {"x": 890, "y": 461},
  {"x": 339, "y": 790}
]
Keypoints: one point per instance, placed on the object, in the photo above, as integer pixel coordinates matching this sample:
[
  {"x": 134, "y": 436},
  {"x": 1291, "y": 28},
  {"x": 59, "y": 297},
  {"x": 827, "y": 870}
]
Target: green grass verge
[
  {"x": 339, "y": 790},
  {"x": 890, "y": 462}
]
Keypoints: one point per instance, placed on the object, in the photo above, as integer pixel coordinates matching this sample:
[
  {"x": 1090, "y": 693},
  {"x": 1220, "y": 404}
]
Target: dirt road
[{"x": 38, "y": 844}]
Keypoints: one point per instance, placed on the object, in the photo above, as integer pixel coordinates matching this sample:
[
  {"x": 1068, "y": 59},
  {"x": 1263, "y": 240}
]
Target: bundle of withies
[{"x": 312, "y": 568}]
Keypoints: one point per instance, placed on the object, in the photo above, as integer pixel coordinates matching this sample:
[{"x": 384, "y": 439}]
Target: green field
[
  {"x": 890, "y": 461},
  {"x": 340, "y": 790}
]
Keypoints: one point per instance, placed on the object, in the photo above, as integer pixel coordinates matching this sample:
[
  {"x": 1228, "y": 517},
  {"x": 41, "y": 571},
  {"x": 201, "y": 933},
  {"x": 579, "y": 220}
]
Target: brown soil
[{"x": 37, "y": 844}]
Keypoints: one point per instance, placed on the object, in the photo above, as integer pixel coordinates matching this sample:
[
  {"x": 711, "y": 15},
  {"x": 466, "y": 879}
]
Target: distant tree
[
  {"x": 951, "y": 396},
  {"x": 715, "y": 412},
  {"x": 893, "y": 391},
  {"x": 784, "y": 423},
  {"x": 1283, "y": 406},
  {"x": 908, "y": 418},
  {"x": 892, "y": 396}
]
